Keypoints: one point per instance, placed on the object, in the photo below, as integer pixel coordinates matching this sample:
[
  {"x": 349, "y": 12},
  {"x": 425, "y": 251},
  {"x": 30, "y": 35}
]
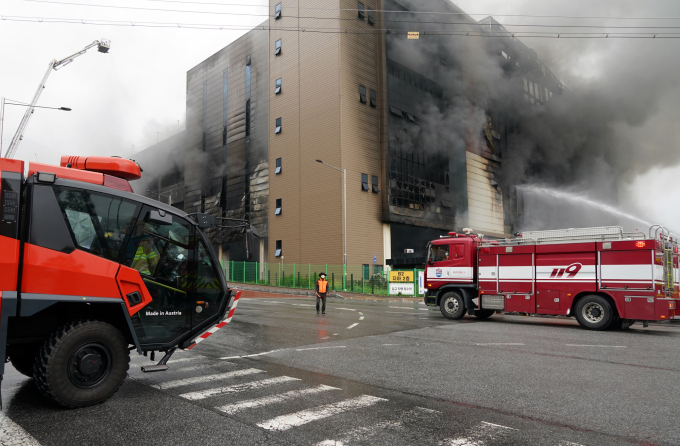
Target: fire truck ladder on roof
[{"x": 571, "y": 235}]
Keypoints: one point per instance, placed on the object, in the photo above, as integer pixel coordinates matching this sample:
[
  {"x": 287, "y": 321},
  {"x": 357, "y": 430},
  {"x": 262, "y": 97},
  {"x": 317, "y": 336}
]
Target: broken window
[
  {"x": 395, "y": 111},
  {"x": 277, "y": 90},
  {"x": 374, "y": 99},
  {"x": 364, "y": 182},
  {"x": 362, "y": 94},
  {"x": 278, "y": 207},
  {"x": 410, "y": 117},
  {"x": 360, "y": 8},
  {"x": 278, "y": 249},
  {"x": 371, "y": 17},
  {"x": 278, "y": 166},
  {"x": 374, "y": 181},
  {"x": 277, "y": 48},
  {"x": 277, "y": 12},
  {"x": 278, "y": 126}
]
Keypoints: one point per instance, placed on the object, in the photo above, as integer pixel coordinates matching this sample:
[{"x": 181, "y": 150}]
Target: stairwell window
[
  {"x": 371, "y": 17},
  {"x": 374, "y": 181},
  {"x": 277, "y": 12},
  {"x": 362, "y": 94},
  {"x": 277, "y": 90},
  {"x": 278, "y": 166},
  {"x": 278, "y": 251},
  {"x": 360, "y": 8},
  {"x": 277, "y": 48},
  {"x": 364, "y": 182},
  {"x": 374, "y": 99},
  {"x": 278, "y": 207},
  {"x": 277, "y": 130}
]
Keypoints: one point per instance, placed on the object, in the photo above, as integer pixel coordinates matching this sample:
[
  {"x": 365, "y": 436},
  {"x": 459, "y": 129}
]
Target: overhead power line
[{"x": 523, "y": 34}]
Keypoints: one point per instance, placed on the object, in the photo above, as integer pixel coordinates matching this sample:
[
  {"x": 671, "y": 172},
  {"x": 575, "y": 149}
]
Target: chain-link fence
[{"x": 354, "y": 279}]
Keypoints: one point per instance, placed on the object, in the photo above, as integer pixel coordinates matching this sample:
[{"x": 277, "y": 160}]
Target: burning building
[{"x": 422, "y": 126}]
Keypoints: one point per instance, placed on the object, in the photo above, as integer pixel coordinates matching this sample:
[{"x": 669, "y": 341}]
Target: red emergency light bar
[
  {"x": 108, "y": 165},
  {"x": 640, "y": 244}
]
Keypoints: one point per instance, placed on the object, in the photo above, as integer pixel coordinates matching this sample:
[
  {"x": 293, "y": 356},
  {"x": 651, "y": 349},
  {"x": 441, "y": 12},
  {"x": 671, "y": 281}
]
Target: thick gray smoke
[{"x": 613, "y": 122}]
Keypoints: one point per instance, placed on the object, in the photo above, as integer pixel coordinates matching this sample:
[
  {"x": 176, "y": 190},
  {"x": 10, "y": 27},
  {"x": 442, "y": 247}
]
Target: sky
[{"x": 126, "y": 100}]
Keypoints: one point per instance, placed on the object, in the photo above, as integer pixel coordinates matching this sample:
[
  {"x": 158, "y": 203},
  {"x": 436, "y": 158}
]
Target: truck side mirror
[
  {"x": 159, "y": 217},
  {"x": 205, "y": 220}
]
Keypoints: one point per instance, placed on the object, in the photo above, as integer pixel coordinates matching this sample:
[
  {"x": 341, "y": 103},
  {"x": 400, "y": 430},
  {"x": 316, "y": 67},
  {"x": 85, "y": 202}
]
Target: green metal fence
[{"x": 355, "y": 279}]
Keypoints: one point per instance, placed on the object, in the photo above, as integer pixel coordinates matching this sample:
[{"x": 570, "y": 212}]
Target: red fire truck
[
  {"x": 602, "y": 276},
  {"x": 90, "y": 271}
]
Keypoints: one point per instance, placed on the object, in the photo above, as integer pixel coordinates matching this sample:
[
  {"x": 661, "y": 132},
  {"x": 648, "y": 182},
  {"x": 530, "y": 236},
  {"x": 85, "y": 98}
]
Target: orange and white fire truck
[
  {"x": 603, "y": 277},
  {"x": 89, "y": 271}
]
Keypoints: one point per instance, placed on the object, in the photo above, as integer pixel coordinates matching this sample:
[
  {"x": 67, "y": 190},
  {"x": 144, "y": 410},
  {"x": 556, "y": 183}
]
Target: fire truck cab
[
  {"x": 603, "y": 277},
  {"x": 90, "y": 271}
]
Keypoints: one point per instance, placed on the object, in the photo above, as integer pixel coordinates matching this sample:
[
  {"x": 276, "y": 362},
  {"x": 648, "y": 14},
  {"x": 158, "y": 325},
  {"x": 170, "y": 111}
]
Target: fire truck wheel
[
  {"x": 484, "y": 314},
  {"x": 595, "y": 313},
  {"x": 82, "y": 363},
  {"x": 452, "y": 305}
]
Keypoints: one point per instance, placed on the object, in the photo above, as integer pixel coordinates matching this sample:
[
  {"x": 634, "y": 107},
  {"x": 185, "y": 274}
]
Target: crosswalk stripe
[
  {"x": 13, "y": 434},
  {"x": 202, "y": 394},
  {"x": 267, "y": 400},
  {"x": 483, "y": 431},
  {"x": 285, "y": 422},
  {"x": 205, "y": 378}
]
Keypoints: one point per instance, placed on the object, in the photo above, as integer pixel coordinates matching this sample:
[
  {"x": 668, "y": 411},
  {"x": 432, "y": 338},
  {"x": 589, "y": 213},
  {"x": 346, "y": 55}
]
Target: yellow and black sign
[
  {"x": 401, "y": 276},
  {"x": 414, "y": 34}
]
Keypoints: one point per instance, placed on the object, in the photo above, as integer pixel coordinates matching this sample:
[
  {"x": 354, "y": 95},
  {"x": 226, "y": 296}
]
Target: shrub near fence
[{"x": 304, "y": 276}]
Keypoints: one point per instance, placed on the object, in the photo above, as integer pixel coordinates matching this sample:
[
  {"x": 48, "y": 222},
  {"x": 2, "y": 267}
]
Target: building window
[
  {"x": 360, "y": 8},
  {"x": 277, "y": 12},
  {"x": 371, "y": 17},
  {"x": 526, "y": 86},
  {"x": 278, "y": 249},
  {"x": 278, "y": 126},
  {"x": 278, "y": 207},
  {"x": 362, "y": 94},
  {"x": 277, "y": 90},
  {"x": 374, "y": 99},
  {"x": 395, "y": 111},
  {"x": 374, "y": 181},
  {"x": 364, "y": 182},
  {"x": 278, "y": 166},
  {"x": 410, "y": 117},
  {"x": 277, "y": 48}
]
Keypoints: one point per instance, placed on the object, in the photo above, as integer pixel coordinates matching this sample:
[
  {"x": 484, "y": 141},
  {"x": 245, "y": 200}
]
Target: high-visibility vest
[{"x": 322, "y": 286}]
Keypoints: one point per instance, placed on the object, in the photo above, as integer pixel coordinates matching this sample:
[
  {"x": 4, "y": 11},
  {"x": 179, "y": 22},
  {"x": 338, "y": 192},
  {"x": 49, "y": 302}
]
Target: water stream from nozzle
[{"x": 582, "y": 200}]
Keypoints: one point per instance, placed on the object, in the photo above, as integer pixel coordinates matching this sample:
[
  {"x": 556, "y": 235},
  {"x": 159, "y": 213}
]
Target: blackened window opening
[
  {"x": 414, "y": 178},
  {"x": 279, "y": 250},
  {"x": 246, "y": 192},
  {"x": 364, "y": 182},
  {"x": 278, "y": 207},
  {"x": 362, "y": 94}
]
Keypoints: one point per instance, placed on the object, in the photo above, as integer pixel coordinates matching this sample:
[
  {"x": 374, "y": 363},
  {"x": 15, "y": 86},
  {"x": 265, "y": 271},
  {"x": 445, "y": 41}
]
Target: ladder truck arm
[{"x": 103, "y": 47}]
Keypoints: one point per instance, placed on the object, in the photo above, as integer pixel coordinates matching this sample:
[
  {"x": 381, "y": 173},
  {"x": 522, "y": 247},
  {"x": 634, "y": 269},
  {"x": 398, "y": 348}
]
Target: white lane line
[
  {"x": 477, "y": 436},
  {"x": 251, "y": 356},
  {"x": 390, "y": 344},
  {"x": 330, "y": 443},
  {"x": 285, "y": 422},
  {"x": 361, "y": 314},
  {"x": 588, "y": 345},
  {"x": 502, "y": 343},
  {"x": 12, "y": 434},
  {"x": 347, "y": 309},
  {"x": 402, "y": 312},
  {"x": 205, "y": 378},
  {"x": 304, "y": 305},
  {"x": 405, "y": 308},
  {"x": 426, "y": 410},
  {"x": 498, "y": 426},
  {"x": 568, "y": 443},
  {"x": 318, "y": 348},
  {"x": 203, "y": 394},
  {"x": 267, "y": 400},
  {"x": 353, "y": 325}
]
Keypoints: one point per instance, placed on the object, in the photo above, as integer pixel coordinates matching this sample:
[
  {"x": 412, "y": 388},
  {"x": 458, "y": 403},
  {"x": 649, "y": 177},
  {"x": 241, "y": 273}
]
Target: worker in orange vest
[{"x": 321, "y": 292}]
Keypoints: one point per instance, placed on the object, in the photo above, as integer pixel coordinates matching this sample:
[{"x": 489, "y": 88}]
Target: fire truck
[
  {"x": 90, "y": 271},
  {"x": 603, "y": 277}
]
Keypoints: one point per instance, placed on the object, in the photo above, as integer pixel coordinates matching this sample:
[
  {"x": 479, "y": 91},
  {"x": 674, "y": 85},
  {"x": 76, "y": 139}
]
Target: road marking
[
  {"x": 361, "y": 318},
  {"x": 251, "y": 356},
  {"x": 285, "y": 422},
  {"x": 318, "y": 348},
  {"x": 330, "y": 443},
  {"x": 497, "y": 426},
  {"x": 353, "y": 325},
  {"x": 361, "y": 314},
  {"x": 478, "y": 434},
  {"x": 347, "y": 309},
  {"x": 205, "y": 378},
  {"x": 568, "y": 443},
  {"x": 425, "y": 409},
  {"x": 502, "y": 343},
  {"x": 402, "y": 312},
  {"x": 390, "y": 344},
  {"x": 304, "y": 305},
  {"x": 267, "y": 400},
  {"x": 588, "y": 345},
  {"x": 202, "y": 394},
  {"x": 13, "y": 434},
  {"x": 405, "y": 308}
]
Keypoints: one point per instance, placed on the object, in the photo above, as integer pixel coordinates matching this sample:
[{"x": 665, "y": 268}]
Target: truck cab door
[{"x": 209, "y": 296}]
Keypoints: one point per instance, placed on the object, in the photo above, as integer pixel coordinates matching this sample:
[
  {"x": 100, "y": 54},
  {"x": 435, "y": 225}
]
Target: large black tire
[
  {"x": 82, "y": 363},
  {"x": 596, "y": 313},
  {"x": 452, "y": 305},
  {"x": 23, "y": 364},
  {"x": 484, "y": 314}
]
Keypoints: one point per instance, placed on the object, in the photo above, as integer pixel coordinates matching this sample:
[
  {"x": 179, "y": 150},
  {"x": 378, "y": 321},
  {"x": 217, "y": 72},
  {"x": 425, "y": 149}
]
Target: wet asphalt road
[{"x": 379, "y": 373}]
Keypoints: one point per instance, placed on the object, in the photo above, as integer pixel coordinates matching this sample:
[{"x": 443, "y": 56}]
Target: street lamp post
[
  {"x": 344, "y": 221},
  {"x": 3, "y": 101}
]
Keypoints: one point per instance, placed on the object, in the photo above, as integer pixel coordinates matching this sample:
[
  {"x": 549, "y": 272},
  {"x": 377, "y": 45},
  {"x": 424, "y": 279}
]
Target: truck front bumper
[{"x": 430, "y": 298}]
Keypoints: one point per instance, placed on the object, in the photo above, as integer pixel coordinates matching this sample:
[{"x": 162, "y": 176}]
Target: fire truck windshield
[{"x": 437, "y": 253}]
